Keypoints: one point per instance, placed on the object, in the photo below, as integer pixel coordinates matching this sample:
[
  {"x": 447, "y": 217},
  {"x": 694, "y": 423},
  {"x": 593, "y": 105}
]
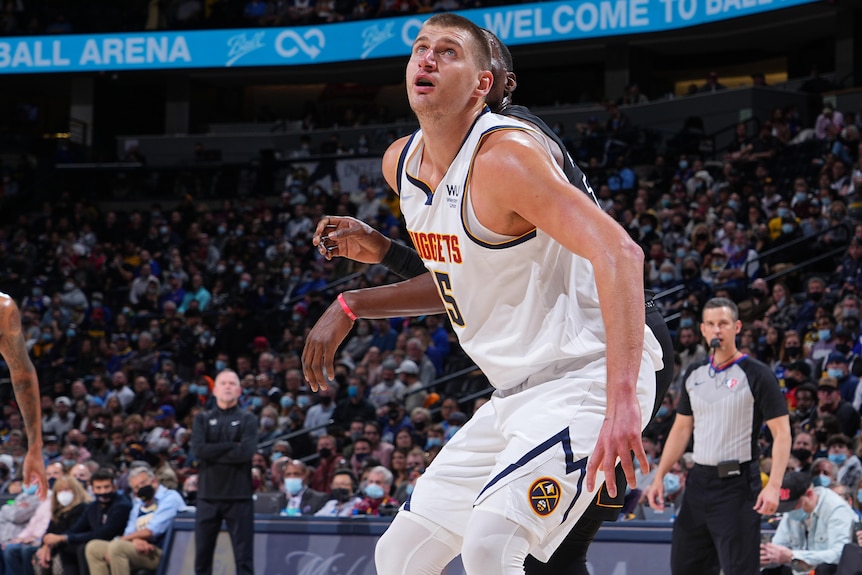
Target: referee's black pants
[
  {"x": 239, "y": 516},
  {"x": 717, "y": 526}
]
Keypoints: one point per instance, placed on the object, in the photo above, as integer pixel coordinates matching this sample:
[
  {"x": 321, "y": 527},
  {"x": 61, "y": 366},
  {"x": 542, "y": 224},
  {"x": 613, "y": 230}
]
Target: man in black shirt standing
[{"x": 224, "y": 440}]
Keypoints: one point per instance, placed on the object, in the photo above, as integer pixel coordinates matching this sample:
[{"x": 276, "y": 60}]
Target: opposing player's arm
[
  {"x": 509, "y": 197},
  {"x": 25, "y": 386}
]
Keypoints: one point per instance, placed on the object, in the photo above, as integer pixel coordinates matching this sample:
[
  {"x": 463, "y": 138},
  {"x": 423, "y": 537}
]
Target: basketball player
[
  {"x": 25, "y": 386},
  {"x": 562, "y": 280},
  {"x": 348, "y": 237}
]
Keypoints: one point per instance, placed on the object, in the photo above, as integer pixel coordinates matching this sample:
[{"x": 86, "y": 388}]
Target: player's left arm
[
  {"x": 25, "y": 386},
  {"x": 534, "y": 191},
  {"x": 767, "y": 500}
]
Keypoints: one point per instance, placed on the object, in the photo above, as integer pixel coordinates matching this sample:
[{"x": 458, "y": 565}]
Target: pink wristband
[{"x": 346, "y": 308}]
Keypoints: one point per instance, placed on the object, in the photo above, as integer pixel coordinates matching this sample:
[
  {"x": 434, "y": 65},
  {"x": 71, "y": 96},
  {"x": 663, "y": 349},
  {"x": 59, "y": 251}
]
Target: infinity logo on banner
[{"x": 300, "y": 43}]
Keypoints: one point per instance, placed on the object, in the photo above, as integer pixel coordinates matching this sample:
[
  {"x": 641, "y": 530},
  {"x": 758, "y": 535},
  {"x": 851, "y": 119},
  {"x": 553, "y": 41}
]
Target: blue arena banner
[{"x": 367, "y": 39}]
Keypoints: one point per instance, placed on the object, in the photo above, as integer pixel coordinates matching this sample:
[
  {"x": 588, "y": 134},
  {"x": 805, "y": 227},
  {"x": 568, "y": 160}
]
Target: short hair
[
  {"x": 387, "y": 475},
  {"x": 482, "y": 52},
  {"x": 139, "y": 469},
  {"x": 839, "y": 439},
  {"x": 103, "y": 474},
  {"x": 719, "y": 302},
  {"x": 348, "y": 473}
]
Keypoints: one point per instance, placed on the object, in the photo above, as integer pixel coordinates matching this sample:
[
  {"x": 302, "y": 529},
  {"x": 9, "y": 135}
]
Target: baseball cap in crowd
[
  {"x": 836, "y": 357},
  {"x": 800, "y": 366},
  {"x": 164, "y": 411},
  {"x": 260, "y": 342},
  {"x": 389, "y": 364},
  {"x": 794, "y": 486},
  {"x": 64, "y": 400},
  {"x": 827, "y": 383},
  {"x": 408, "y": 366},
  {"x": 50, "y": 439}
]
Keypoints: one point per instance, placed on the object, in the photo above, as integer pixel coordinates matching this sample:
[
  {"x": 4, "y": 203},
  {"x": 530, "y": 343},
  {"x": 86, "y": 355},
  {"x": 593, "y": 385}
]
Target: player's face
[{"x": 442, "y": 73}]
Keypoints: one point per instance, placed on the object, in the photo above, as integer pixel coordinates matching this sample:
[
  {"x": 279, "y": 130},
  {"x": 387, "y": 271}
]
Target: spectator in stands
[
  {"x": 103, "y": 519},
  {"x": 381, "y": 450},
  {"x": 301, "y": 500},
  {"x": 829, "y": 117},
  {"x": 376, "y": 489},
  {"x": 68, "y": 502},
  {"x": 343, "y": 498},
  {"x": 807, "y": 545},
  {"x": 840, "y": 453},
  {"x": 712, "y": 84},
  {"x": 329, "y": 459},
  {"x": 141, "y": 545},
  {"x": 829, "y": 402}
]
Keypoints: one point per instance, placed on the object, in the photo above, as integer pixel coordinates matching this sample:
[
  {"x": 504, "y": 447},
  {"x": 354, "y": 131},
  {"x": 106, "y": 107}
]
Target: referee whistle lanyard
[{"x": 714, "y": 370}]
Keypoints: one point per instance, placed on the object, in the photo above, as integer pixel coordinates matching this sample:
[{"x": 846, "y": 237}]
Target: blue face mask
[
  {"x": 782, "y": 212},
  {"x": 303, "y": 401},
  {"x": 220, "y": 364},
  {"x": 292, "y": 485},
  {"x": 859, "y": 495},
  {"x": 671, "y": 483},
  {"x": 352, "y": 391},
  {"x": 787, "y": 228},
  {"x": 837, "y": 458},
  {"x": 408, "y": 489},
  {"x": 681, "y": 253},
  {"x": 686, "y": 322},
  {"x": 797, "y": 514},
  {"x": 821, "y": 481},
  {"x": 824, "y": 334},
  {"x": 29, "y": 489},
  {"x": 733, "y": 205},
  {"x": 663, "y": 411},
  {"x": 374, "y": 491},
  {"x": 433, "y": 442},
  {"x": 836, "y": 373},
  {"x": 256, "y": 401},
  {"x": 286, "y": 401},
  {"x": 665, "y": 277}
]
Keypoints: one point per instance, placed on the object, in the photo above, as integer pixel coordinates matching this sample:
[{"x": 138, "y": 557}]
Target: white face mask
[{"x": 64, "y": 498}]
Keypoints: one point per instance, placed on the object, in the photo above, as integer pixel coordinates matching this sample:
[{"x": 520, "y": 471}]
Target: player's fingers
[
  {"x": 641, "y": 457},
  {"x": 592, "y": 468},
  {"x": 320, "y": 229}
]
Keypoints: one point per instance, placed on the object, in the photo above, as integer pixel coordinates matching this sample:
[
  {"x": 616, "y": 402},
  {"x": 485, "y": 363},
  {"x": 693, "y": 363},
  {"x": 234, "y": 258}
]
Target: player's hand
[
  {"x": 34, "y": 471},
  {"x": 321, "y": 344},
  {"x": 767, "y": 500},
  {"x": 619, "y": 437},
  {"x": 655, "y": 494},
  {"x": 349, "y": 238}
]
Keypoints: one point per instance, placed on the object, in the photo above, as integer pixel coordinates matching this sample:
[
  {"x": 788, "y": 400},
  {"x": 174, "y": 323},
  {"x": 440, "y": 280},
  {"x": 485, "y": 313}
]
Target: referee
[
  {"x": 725, "y": 400},
  {"x": 224, "y": 440}
]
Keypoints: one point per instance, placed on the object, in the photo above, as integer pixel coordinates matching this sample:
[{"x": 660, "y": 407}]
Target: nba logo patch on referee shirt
[
  {"x": 544, "y": 496},
  {"x": 731, "y": 382}
]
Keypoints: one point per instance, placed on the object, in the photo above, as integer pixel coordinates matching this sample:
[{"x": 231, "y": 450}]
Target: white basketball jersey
[{"x": 521, "y": 306}]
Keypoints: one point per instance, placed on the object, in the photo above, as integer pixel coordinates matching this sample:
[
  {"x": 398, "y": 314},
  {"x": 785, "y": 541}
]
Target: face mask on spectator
[{"x": 671, "y": 484}]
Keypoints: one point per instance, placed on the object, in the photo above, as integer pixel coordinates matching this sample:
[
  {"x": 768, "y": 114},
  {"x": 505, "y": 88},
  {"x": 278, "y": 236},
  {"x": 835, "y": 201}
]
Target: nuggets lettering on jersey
[
  {"x": 544, "y": 496},
  {"x": 434, "y": 247}
]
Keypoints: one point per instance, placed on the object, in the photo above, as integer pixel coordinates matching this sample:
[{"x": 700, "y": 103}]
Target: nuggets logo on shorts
[{"x": 544, "y": 495}]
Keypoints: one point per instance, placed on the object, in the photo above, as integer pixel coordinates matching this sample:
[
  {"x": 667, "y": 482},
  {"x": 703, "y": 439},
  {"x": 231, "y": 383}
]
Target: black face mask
[
  {"x": 325, "y": 453},
  {"x": 815, "y": 295},
  {"x": 146, "y": 492},
  {"x": 757, "y": 292},
  {"x": 803, "y": 455},
  {"x": 326, "y": 400},
  {"x": 341, "y": 495},
  {"x": 821, "y": 435},
  {"x": 842, "y": 348},
  {"x": 793, "y": 350},
  {"x": 51, "y": 481},
  {"x": 105, "y": 498}
]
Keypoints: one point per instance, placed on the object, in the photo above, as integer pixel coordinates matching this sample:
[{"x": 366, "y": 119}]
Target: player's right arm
[
  {"x": 25, "y": 386},
  {"x": 674, "y": 447}
]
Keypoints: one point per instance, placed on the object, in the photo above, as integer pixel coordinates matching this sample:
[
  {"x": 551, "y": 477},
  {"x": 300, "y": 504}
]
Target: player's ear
[
  {"x": 511, "y": 84},
  {"x": 486, "y": 80}
]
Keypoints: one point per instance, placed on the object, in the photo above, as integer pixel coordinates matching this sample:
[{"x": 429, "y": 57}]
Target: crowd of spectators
[
  {"x": 25, "y": 17},
  {"x": 130, "y": 314}
]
